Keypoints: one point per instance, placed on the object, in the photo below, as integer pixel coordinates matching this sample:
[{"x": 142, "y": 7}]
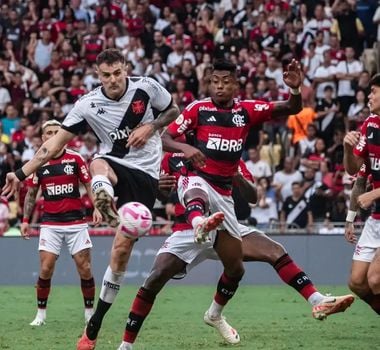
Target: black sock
[{"x": 96, "y": 320}]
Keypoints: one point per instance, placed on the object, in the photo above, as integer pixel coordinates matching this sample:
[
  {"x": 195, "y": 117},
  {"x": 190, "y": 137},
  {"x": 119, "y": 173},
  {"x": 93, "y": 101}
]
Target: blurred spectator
[
  {"x": 257, "y": 167},
  {"x": 179, "y": 53},
  {"x": 324, "y": 75},
  {"x": 5, "y": 97},
  {"x": 40, "y": 50},
  {"x": 158, "y": 71},
  {"x": 90, "y": 147},
  {"x": 182, "y": 96},
  {"x": 93, "y": 43},
  {"x": 355, "y": 109},
  {"x": 11, "y": 122}
]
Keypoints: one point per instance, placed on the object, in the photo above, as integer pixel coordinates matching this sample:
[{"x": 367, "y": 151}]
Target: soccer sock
[
  {"x": 110, "y": 288},
  {"x": 292, "y": 275},
  {"x": 140, "y": 309},
  {"x": 43, "y": 290},
  {"x": 225, "y": 290},
  {"x": 88, "y": 291},
  {"x": 373, "y": 300},
  {"x": 101, "y": 181},
  {"x": 194, "y": 212}
]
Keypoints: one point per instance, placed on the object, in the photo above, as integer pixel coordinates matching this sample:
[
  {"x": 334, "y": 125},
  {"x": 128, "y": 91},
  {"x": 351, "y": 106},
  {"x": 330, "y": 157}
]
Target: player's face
[
  {"x": 374, "y": 100},
  {"x": 49, "y": 132},
  {"x": 223, "y": 87},
  {"x": 113, "y": 78}
]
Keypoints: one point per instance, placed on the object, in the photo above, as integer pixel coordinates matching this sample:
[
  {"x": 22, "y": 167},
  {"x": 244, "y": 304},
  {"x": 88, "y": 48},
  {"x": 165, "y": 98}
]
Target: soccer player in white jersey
[
  {"x": 126, "y": 114},
  {"x": 63, "y": 220},
  {"x": 364, "y": 148}
]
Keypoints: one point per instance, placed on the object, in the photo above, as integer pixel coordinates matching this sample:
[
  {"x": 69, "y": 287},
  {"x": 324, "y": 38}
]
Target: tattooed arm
[
  {"x": 30, "y": 201},
  {"x": 46, "y": 152}
]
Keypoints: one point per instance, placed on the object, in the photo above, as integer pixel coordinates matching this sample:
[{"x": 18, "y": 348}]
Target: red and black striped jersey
[
  {"x": 220, "y": 134},
  {"x": 369, "y": 149},
  {"x": 175, "y": 164},
  {"x": 59, "y": 180}
]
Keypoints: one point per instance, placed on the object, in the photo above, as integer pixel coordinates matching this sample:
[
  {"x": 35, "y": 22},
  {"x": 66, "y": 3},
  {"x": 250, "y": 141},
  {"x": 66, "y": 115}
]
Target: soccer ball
[{"x": 135, "y": 219}]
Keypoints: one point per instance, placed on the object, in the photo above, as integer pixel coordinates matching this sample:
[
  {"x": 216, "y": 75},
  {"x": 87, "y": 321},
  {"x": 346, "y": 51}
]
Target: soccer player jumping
[{"x": 126, "y": 114}]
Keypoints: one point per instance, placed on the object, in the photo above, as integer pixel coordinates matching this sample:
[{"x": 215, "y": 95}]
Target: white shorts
[
  {"x": 76, "y": 237},
  {"x": 218, "y": 202},
  {"x": 369, "y": 241},
  {"x": 182, "y": 245}
]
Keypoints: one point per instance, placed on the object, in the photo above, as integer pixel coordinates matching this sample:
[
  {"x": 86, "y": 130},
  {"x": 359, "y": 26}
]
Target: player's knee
[
  {"x": 197, "y": 194},
  {"x": 157, "y": 279},
  {"x": 357, "y": 286},
  {"x": 236, "y": 272},
  {"x": 276, "y": 252},
  {"x": 47, "y": 270},
  {"x": 374, "y": 283}
]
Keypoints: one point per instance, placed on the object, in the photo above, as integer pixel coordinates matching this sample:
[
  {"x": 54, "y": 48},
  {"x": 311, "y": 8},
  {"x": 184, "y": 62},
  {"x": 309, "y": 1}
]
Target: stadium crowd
[{"x": 47, "y": 55}]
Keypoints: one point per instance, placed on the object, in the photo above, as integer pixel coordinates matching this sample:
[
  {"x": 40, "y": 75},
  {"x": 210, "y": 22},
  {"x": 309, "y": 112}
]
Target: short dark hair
[
  {"x": 110, "y": 56},
  {"x": 221, "y": 64},
  {"x": 375, "y": 80}
]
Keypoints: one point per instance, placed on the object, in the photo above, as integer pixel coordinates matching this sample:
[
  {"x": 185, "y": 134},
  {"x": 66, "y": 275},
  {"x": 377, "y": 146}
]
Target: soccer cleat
[
  {"x": 38, "y": 321},
  {"x": 332, "y": 305},
  {"x": 105, "y": 204},
  {"x": 210, "y": 223},
  {"x": 84, "y": 343},
  {"x": 124, "y": 346},
  {"x": 228, "y": 333}
]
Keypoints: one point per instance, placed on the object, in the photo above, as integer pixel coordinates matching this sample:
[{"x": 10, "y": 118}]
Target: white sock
[
  {"x": 101, "y": 181},
  {"x": 111, "y": 285},
  {"x": 315, "y": 298},
  {"x": 88, "y": 312},
  {"x": 196, "y": 221},
  {"x": 41, "y": 314},
  {"x": 215, "y": 310},
  {"x": 126, "y": 345}
]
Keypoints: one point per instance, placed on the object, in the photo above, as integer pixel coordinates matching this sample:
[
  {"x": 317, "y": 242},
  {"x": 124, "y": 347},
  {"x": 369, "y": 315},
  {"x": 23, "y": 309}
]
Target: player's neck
[
  {"x": 60, "y": 154},
  {"x": 226, "y": 105}
]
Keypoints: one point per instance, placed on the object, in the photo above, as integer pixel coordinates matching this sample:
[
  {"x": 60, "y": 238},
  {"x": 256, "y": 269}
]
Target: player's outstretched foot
[
  {"x": 38, "y": 321},
  {"x": 105, "y": 204},
  {"x": 124, "y": 346},
  {"x": 210, "y": 223},
  {"x": 228, "y": 333},
  {"x": 332, "y": 305},
  {"x": 84, "y": 343}
]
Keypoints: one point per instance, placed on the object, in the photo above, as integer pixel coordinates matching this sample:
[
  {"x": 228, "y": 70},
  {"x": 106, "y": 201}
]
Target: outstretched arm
[{"x": 293, "y": 79}]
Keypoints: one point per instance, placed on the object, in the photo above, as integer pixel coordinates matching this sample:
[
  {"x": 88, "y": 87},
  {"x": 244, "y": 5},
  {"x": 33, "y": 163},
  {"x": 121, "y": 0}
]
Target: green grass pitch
[{"x": 267, "y": 318}]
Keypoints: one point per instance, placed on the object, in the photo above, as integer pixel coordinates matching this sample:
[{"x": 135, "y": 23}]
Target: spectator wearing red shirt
[
  {"x": 93, "y": 44},
  {"x": 76, "y": 88},
  {"x": 182, "y": 96},
  {"x": 179, "y": 34}
]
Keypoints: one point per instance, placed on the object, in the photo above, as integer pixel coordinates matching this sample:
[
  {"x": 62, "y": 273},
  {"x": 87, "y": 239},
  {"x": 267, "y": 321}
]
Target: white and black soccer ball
[{"x": 135, "y": 219}]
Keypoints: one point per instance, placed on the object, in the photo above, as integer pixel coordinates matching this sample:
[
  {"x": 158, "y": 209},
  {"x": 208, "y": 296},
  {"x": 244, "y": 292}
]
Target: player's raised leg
[
  {"x": 165, "y": 267},
  {"x": 83, "y": 263},
  {"x": 259, "y": 247},
  {"x": 229, "y": 250},
  {"x": 47, "y": 264}
]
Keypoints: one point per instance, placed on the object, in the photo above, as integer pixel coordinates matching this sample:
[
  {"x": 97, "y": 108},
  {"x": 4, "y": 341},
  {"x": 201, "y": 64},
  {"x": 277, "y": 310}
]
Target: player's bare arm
[
  {"x": 292, "y": 78},
  {"x": 247, "y": 188},
  {"x": 140, "y": 136},
  {"x": 191, "y": 153},
  {"x": 46, "y": 152},
  {"x": 358, "y": 188},
  {"x": 352, "y": 163},
  {"x": 30, "y": 201},
  {"x": 365, "y": 200}
]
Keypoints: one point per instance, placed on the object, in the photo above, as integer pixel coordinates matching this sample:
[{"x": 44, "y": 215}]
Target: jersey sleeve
[
  {"x": 32, "y": 181},
  {"x": 361, "y": 149},
  {"x": 365, "y": 170},
  {"x": 245, "y": 172},
  {"x": 186, "y": 121},
  {"x": 165, "y": 168},
  {"x": 160, "y": 98},
  {"x": 74, "y": 121},
  {"x": 84, "y": 174},
  {"x": 258, "y": 111}
]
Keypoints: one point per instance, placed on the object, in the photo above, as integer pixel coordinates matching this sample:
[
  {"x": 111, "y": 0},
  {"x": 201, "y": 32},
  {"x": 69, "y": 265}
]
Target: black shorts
[{"x": 133, "y": 185}]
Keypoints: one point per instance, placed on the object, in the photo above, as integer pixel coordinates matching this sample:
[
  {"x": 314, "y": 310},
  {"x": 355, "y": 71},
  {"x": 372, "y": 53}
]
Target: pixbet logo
[{"x": 120, "y": 134}]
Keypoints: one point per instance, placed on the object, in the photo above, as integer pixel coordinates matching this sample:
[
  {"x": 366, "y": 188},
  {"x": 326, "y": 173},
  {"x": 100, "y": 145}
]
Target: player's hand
[
  {"x": 140, "y": 136},
  {"x": 11, "y": 185},
  {"x": 293, "y": 75},
  {"x": 351, "y": 139},
  {"x": 365, "y": 200},
  {"x": 194, "y": 155},
  {"x": 97, "y": 217},
  {"x": 349, "y": 233},
  {"x": 167, "y": 182},
  {"x": 24, "y": 228}
]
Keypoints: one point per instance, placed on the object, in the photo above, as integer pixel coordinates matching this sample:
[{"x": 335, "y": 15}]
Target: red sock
[
  {"x": 226, "y": 289},
  {"x": 292, "y": 275},
  {"x": 88, "y": 291},
  {"x": 193, "y": 209},
  {"x": 43, "y": 290},
  {"x": 140, "y": 309}
]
